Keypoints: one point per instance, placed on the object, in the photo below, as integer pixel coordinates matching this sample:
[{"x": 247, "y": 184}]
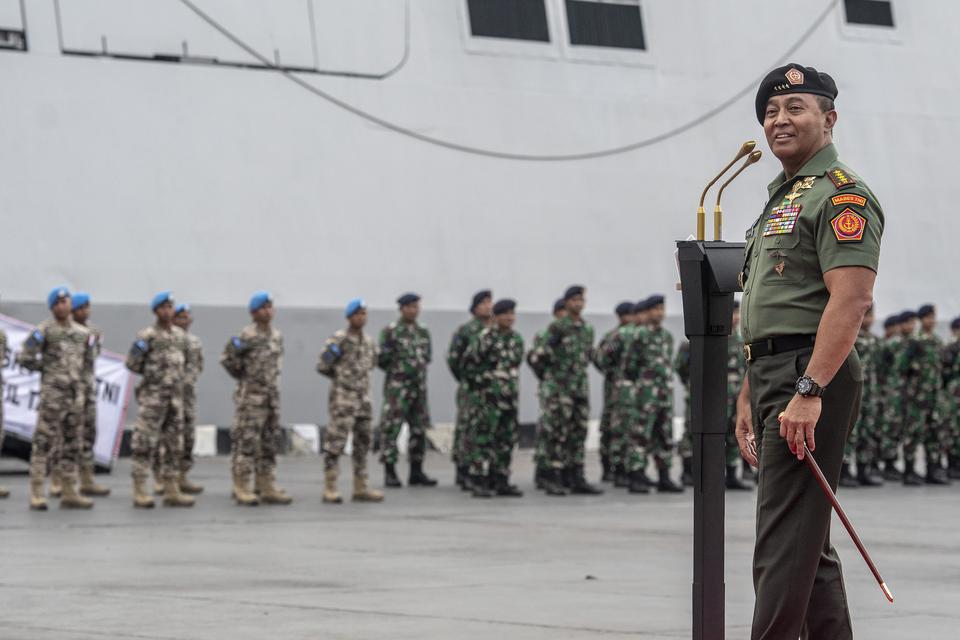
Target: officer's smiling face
[{"x": 796, "y": 128}]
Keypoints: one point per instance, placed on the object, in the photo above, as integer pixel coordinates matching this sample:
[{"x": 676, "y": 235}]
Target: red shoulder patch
[
  {"x": 848, "y": 198},
  {"x": 840, "y": 178},
  {"x": 848, "y": 226}
]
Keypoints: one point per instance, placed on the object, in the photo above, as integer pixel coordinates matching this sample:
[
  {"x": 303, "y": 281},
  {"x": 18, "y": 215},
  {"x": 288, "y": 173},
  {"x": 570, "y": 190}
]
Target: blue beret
[
  {"x": 479, "y": 297},
  {"x": 624, "y": 309},
  {"x": 80, "y": 299},
  {"x": 926, "y": 310},
  {"x": 353, "y": 306},
  {"x": 955, "y": 324},
  {"x": 504, "y": 306},
  {"x": 160, "y": 298},
  {"x": 58, "y": 293},
  {"x": 891, "y": 321},
  {"x": 259, "y": 299},
  {"x": 654, "y": 300},
  {"x": 180, "y": 308},
  {"x": 575, "y": 290},
  {"x": 407, "y": 298},
  {"x": 559, "y": 305}
]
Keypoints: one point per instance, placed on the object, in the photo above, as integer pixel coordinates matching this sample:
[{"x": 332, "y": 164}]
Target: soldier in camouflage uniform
[
  {"x": 625, "y": 316},
  {"x": 951, "y": 395},
  {"x": 480, "y": 307},
  {"x": 537, "y": 365},
  {"x": 405, "y": 353},
  {"x": 4, "y": 492},
  {"x": 88, "y": 428},
  {"x": 59, "y": 349},
  {"x": 193, "y": 367},
  {"x": 348, "y": 357},
  {"x": 657, "y": 396},
  {"x": 565, "y": 355},
  {"x": 158, "y": 355},
  {"x": 893, "y": 359},
  {"x": 253, "y": 358},
  {"x": 880, "y": 406},
  {"x": 863, "y": 445},
  {"x": 493, "y": 362}
]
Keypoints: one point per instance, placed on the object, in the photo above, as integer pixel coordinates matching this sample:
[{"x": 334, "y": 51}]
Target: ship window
[
  {"x": 606, "y": 23},
  {"x": 512, "y": 19},
  {"x": 873, "y": 12}
]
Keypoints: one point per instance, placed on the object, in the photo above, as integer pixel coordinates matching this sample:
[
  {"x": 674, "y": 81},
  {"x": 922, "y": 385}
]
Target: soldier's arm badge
[
  {"x": 35, "y": 339},
  {"x": 848, "y": 226}
]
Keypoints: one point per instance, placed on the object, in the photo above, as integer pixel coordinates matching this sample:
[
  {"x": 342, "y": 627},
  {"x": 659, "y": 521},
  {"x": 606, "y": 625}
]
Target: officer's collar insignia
[
  {"x": 839, "y": 178},
  {"x": 794, "y": 76},
  {"x": 848, "y": 198},
  {"x": 848, "y": 226}
]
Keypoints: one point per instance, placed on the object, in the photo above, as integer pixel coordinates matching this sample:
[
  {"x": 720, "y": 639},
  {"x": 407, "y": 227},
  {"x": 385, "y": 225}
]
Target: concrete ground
[{"x": 432, "y": 563}]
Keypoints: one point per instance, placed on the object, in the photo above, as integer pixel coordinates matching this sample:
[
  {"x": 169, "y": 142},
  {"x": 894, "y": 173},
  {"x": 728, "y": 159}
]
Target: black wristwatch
[{"x": 806, "y": 387}]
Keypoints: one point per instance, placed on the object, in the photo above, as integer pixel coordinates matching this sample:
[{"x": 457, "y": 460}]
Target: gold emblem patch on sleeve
[{"x": 848, "y": 226}]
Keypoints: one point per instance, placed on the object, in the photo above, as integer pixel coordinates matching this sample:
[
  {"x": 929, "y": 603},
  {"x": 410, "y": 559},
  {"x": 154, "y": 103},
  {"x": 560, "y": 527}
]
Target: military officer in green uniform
[{"x": 810, "y": 265}]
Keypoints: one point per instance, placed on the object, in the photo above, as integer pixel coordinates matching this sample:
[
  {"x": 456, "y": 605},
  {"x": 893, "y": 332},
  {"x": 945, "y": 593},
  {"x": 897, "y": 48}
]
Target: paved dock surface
[{"x": 432, "y": 563}]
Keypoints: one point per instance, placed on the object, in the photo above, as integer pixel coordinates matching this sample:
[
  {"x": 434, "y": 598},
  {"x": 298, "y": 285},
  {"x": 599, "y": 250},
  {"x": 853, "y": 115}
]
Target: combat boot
[
  {"x": 910, "y": 477},
  {"x": 188, "y": 487},
  {"x": 846, "y": 478},
  {"x": 70, "y": 499},
  {"x": 538, "y": 477},
  {"x": 241, "y": 491},
  {"x": 607, "y": 475},
  {"x": 157, "y": 484},
  {"x": 141, "y": 499},
  {"x": 579, "y": 485},
  {"x": 390, "y": 478},
  {"x": 866, "y": 477},
  {"x": 460, "y": 476},
  {"x": 418, "y": 478},
  {"x": 621, "y": 478},
  {"x": 686, "y": 478},
  {"x": 363, "y": 493},
  {"x": 56, "y": 484},
  {"x": 270, "y": 493},
  {"x": 89, "y": 486},
  {"x": 890, "y": 472},
  {"x": 481, "y": 486},
  {"x": 553, "y": 482},
  {"x": 37, "y": 500},
  {"x": 172, "y": 496},
  {"x": 953, "y": 470},
  {"x": 936, "y": 475},
  {"x": 504, "y": 488},
  {"x": 665, "y": 484},
  {"x": 733, "y": 482},
  {"x": 330, "y": 493},
  {"x": 639, "y": 482}
]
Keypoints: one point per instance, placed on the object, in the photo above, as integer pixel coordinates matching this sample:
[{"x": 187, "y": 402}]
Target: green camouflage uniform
[
  {"x": 58, "y": 352},
  {"x": 922, "y": 360},
  {"x": 537, "y": 365},
  {"x": 158, "y": 355},
  {"x": 254, "y": 360},
  {"x": 681, "y": 365},
  {"x": 864, "y": 443},
  {"x": 894, "y": 378},
  {"x": 606, "y": 434},
  {"x": 193, "y": 367},
  {"x": 493, "y": 362},
  {"x": 951, "y": 399},
  {"x": 347, "y": 359},
  {"x": 657, "y": 394},
  {"x": 458, "y": 346},
  {"x": 405, "y": 353}
]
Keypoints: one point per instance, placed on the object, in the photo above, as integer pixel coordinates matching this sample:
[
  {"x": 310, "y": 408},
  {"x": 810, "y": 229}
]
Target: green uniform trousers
[{"x": 796, "y": 571}]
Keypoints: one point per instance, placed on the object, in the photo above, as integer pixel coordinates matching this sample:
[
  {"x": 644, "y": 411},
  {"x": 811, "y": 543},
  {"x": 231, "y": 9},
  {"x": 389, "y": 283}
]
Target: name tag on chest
[{"x": 781, "y": 220}]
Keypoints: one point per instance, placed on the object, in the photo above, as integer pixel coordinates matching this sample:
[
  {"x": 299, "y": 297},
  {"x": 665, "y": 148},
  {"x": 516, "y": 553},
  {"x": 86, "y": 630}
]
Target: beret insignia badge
[{"x": 794, "y": 76}]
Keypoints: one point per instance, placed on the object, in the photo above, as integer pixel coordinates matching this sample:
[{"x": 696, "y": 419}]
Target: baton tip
[{"x": 886, "y": 591}]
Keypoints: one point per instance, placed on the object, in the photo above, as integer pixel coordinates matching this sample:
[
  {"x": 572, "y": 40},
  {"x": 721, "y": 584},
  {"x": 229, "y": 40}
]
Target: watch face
[{"x": 804, "y": 386}]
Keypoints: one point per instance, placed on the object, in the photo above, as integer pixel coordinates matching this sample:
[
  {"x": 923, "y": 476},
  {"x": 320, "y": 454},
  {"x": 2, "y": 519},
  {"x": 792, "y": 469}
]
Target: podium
[{"x": 709, "y": 276}]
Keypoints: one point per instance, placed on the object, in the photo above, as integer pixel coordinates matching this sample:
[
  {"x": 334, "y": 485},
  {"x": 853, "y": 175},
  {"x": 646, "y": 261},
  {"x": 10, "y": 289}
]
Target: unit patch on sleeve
[
  {"x": 839, "y": 178},
  {"x": 848, "y": 198},
  {"x": 848, "y": 226},
  {"x": 781, "y": 220}
]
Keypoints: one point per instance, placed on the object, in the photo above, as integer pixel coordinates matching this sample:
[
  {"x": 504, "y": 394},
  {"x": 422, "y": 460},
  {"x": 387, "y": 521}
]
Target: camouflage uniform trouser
[
  {"x": 864, "y": 443},
  {"x": 404, "y": 403},
  {"x": 922, "y": 427},
  {"x": 891, "y": 428},
  {"x": 661, "y": 434},
  {"x": 56, "y": 439},
  {"x": 157, "y": 433},
  {"x": 189, "y": 427},
  {"x": 951, "y": 401},
  {"x": 348, "y": 413},
  {"x": 88, "y": 430},
  {"x": 456, "y": 453},
  {"x": 564, "y": 425},
  {"x": 489, "y": 436},
  {"x": 255, "y": 433},
  {"x": 606, "y": 431},
  {"x": 630, "y": 434}
]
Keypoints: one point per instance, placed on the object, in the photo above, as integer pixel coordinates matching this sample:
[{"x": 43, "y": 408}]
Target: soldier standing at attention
[
  {"x": 480, "y": 307},
  {"x": 253, "y": 358},
  {"x": 863, "y": 445},
  {"x": 537, "y": 365},
  {"x": 193, "y": 367},
  {"x": 883, "y": 365},
  {"x": 624, "y": 313},
  {"x": 565, "y": 356},
  {"x": 895, "y": 381},
  {"x": 405, "y": 353},
  {"x": 660, "y": 415},
  {"x": 810, "y": 264},
  {"x": 58, "y": 349},
  {"x": 951, "y": 393},
  {"x": 348, "y": 357},
  {"x": 88, "y": 429}
]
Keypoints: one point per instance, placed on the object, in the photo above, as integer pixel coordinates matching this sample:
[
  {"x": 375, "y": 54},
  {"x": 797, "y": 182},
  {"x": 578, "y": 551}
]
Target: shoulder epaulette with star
[{"x": 840, "y": 178}]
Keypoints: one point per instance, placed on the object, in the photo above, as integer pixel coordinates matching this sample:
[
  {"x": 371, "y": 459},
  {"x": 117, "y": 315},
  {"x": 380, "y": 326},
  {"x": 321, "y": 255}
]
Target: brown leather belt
[{"x": 772, "y": 346}]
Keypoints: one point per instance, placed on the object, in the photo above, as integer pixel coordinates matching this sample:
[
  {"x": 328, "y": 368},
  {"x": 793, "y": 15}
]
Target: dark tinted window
[
  {"x": 514, "y": 19},
  {"x": 605, "y": 24},
  {"x": 876, "y": 12}
]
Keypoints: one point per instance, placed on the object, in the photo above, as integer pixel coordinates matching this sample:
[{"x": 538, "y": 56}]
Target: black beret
[
  {"x": 793, "y": 78},
  {"x": 559, "y": 305},
  {"x": 909, "y": 314},
  {"x": 643, "y": 305},
  {"x": 891, "y": 321},
  {"x": 504, "y": 306},
  {"x": 955, "y": 324},
  {"x": 479, "y": 297},
  {"x": 407, "y": 298},
  {"x": 926, "y": 310},
  {"x": 654, "y": 300},
  {"x": 624, "y": 309},
  {"x": 575, "y": 290}
]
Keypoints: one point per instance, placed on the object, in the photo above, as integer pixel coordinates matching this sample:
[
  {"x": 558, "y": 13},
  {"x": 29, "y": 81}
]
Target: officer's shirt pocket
[{"x": 781, "y": 259}]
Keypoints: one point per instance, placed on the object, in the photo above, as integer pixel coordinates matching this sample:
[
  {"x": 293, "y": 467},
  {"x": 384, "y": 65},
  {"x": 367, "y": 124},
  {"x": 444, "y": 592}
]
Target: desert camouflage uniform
[
  {"x": 253, "y": 359},
  {"x": 922, "y": 361},
  {"x": 863, "y": 445},
  {"x": 58, "y": 352},
  {"x": 458, "y": 347},
  {"x": 405, "y": 353},
  {"x": 192, "y": 369},
  {"x": 88, "y": 429},
  {"x": 347, "y": 359}
]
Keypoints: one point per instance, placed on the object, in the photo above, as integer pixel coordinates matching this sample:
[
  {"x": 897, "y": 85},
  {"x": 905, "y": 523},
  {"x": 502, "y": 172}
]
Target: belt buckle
[{"x": 747, "y": 353}]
